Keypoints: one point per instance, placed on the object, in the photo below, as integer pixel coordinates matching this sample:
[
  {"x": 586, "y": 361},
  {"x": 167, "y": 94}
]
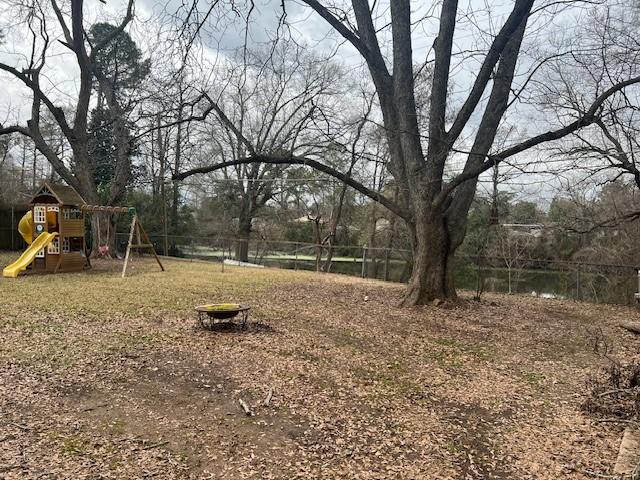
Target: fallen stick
[
  {"x": 155, "y": 445},
  {"x": 24, "y": 428},
  {"x": 88, "y": 409},
  {"x": 7, "y": 468},
  {"x": 632, "y": 327},
  {"x": 267, "y": 400},
  {"x": 614, "y": 391},
  {"x": 615, "y": 420},
  {"x": 245, "y": 407}
]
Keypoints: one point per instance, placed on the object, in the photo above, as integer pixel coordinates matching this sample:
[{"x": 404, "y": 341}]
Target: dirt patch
[{"x": 194, "y": 408}]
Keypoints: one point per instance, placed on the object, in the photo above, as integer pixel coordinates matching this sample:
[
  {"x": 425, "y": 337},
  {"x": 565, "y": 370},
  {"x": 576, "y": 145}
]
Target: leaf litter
[{"x": 102, "y": 377}]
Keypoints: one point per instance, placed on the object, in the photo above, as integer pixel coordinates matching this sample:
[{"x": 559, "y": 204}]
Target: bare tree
[
  {"x": 270, "y": 104},
  {"x": 513, "y": 248},
  {"x": 373, "y": 147},
  {"x": 434, "y": 207},
  {"x": 52, "y": 26},
  {"x": 607, "y": 149}
]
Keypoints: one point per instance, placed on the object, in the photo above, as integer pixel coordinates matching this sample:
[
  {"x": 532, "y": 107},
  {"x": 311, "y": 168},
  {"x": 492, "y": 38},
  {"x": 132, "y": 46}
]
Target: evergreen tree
[{"x": 119, "y": 68}]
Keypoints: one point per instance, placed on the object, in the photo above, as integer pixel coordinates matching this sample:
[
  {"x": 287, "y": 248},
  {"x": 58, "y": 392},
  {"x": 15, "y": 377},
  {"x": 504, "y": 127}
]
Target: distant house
[
  {"x": 533, "y": 229},
  {"x": 382, "y": 224}
]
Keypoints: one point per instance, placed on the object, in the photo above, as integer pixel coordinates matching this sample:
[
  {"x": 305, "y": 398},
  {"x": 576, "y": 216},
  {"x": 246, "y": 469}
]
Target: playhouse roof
[{"x": 64, "y": 194}]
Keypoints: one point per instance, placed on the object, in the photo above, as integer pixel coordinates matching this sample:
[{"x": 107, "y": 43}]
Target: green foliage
[
  {"x": 299, "y": 232},
  {"x": 150, "y": 210},
  {"x": 102, "y": 149},
  {"x": 120, "y": 61},
  {"x": 562, "y": 214},
  {"x": 524, "y": 212},
  {"x": 481, "y": 218}
]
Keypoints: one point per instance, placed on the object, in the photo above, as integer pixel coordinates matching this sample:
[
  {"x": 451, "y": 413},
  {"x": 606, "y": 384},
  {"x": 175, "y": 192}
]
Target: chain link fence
[
  {"x": 10, "y": 239},
  {"x": 593, "y": 282},
  {"x": 586, "y": 281}
]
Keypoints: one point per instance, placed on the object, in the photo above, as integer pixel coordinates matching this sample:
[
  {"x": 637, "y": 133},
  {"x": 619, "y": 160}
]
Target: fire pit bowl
[{"x": 212, "y": 313}]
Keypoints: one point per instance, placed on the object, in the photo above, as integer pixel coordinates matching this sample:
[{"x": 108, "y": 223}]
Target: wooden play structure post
[{"x": 138, "y": 230}]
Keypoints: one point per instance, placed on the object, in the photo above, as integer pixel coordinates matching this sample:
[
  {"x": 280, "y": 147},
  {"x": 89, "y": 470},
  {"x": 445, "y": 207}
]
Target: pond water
[
  {"x": 595, "y": 286},
  {"x": 600, "y": 284}
]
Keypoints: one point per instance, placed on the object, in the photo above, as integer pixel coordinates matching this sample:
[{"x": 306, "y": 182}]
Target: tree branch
[
  {"x": 340, "y": 27},
  {"x": 520, "y": 11},
  {"x": 117, "y": 31},
  {"x": 368, "y": 34},
  {"x": 588, "y": 118},
  {"x": 295, "y": 160},
  {"x": 439, "y": 85},
  {"x": 191, "y": 118},
  {"x": 15, "y": 129},
  {"x": 35, "y": 88}
]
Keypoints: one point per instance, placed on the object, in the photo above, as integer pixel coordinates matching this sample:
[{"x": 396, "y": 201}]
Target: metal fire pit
[{"x": 213, "y": 313}]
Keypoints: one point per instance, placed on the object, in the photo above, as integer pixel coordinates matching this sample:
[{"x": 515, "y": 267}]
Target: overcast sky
[{"x": 225, "y": 33}]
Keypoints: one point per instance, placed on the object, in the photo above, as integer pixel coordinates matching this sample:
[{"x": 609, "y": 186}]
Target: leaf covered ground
[{"x": 109, "y": 378}]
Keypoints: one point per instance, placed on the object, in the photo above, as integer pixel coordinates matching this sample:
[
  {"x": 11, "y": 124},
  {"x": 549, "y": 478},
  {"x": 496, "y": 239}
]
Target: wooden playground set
[{"x": 55, "y": 230}]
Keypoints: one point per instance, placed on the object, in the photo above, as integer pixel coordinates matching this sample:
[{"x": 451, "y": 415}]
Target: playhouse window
[
  {"x": 66, "y": 245},
  {"x": 39, "y": 214},
  {"x": 53, "y": 208},
  {"x": 54, "y": 247},
  {"x": 40, "y": 254},
  {"x": 72, "y": 214},
  {"x": 76, "y": 244}
]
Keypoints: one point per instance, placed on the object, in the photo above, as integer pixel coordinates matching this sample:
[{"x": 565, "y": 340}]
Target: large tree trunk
[
  {"x": 318, "y": 242},
  {"x": 372, "y": 267},
  {"x": 433, "y": 257},
  {"x": 333, "y": 229},
  {"x": 175, "y": 200},
  {"x": 244, "y": 233}
]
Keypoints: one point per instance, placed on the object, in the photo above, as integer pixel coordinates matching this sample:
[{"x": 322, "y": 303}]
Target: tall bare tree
[
  {"x": 608, "y": 149},
  {"x": 270, "y": 105},
  {"x": 433, "y": 206}
]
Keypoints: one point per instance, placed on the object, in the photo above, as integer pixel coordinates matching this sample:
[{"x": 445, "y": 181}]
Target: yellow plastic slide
[
  {"x": 29, "y": 254},
  {"x": 25, "y": 227}
]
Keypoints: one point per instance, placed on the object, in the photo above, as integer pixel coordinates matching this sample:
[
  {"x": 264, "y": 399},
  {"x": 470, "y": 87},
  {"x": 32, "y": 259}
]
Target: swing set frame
[{"x": 136, "y": 230}]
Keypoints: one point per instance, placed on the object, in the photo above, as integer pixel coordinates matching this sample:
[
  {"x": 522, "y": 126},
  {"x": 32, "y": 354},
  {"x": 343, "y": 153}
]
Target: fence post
[
  {"x": 364, "y": 261},
  {"x": 224, "y": 248},
  {"x": 13, "y": 227},
  {"x": 295, "y": 262},
  {"x": 578, "y": 296},
  {"x": 386, "y": 265}
]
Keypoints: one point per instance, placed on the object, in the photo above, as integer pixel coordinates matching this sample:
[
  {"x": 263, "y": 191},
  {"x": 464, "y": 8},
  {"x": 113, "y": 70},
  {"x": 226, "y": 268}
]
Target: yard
[{"x": 103, "y": 377}]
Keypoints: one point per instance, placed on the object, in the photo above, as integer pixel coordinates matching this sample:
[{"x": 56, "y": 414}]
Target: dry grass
[{"x": 102, "y": 377}]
